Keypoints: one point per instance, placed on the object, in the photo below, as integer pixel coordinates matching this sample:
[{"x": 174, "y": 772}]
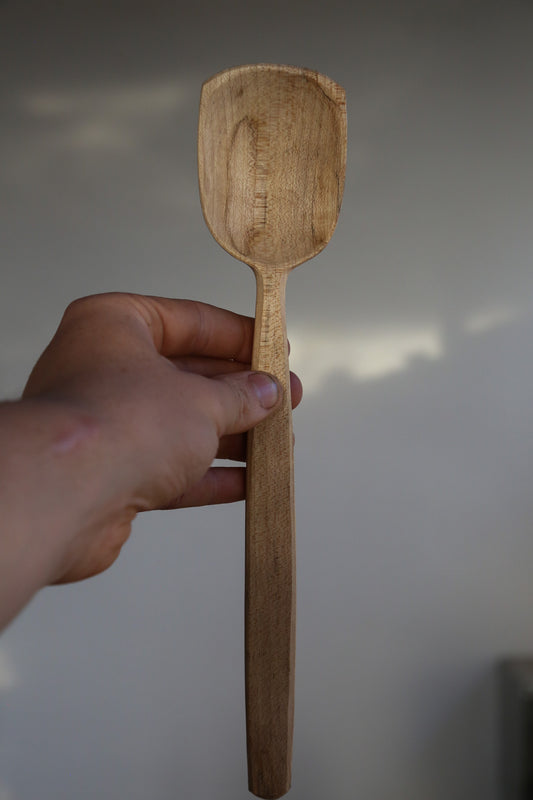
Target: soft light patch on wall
[
  {"x": 8, "y": 676},
  {"x": 489, "y": 318},
  {"x": 363, "y": 355},
  {"x": 124, "y": 101},
  {"x": 106, "y": 118},
  {"x": 5, "y": 793}
]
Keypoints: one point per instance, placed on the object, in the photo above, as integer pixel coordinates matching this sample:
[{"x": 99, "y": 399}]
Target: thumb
[{"x": 244, "y": 399}]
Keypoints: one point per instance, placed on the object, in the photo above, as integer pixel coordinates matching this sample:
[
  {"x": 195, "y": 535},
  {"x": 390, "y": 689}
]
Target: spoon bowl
[{"x": 272, "y": 154}]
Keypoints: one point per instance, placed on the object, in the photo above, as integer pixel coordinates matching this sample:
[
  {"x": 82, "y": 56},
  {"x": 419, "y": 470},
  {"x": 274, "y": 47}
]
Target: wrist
[{"x": 52, "y": 487}]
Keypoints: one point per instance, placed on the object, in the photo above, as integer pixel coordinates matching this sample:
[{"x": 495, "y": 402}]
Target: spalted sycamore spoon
[{"x": 271, "y": 157}]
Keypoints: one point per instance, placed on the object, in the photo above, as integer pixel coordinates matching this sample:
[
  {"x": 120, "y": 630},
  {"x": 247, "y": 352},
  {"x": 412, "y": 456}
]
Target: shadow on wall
[
  {"x": 415, "y": 541},
  {"x": 462, "y": 759},
  {"x": 9, "y": 680}
]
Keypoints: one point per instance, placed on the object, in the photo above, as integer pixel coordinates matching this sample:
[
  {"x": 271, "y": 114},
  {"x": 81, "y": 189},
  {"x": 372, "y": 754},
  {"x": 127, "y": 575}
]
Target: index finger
[{"x": 191, "y": 328}]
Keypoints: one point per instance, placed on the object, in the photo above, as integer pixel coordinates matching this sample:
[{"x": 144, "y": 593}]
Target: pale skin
[{"x": 124, "y": 412}]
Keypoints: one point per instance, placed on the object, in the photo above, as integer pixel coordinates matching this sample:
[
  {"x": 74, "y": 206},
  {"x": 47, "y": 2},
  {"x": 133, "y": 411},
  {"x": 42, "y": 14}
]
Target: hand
[{"x": 160, "y": 388}]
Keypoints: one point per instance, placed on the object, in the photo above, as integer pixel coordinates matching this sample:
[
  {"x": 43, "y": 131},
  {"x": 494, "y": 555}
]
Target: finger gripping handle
[{"x": 270, "y": 590}]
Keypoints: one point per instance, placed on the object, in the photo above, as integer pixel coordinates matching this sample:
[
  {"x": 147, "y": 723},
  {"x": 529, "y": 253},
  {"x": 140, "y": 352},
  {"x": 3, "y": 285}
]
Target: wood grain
[{"x": 271, "y": 158}]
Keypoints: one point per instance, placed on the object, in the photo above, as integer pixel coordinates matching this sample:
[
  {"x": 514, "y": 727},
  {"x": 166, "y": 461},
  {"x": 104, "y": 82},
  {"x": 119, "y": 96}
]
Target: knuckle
[
  {"x": 92, "y": 302},
  {"x": 242, "y": 403},
  {"x": 79, "y": 306},
  {"x": 233, "y": 407},
  {"x": 201, "y": 329},
  {"x": 89, "y": 304}
]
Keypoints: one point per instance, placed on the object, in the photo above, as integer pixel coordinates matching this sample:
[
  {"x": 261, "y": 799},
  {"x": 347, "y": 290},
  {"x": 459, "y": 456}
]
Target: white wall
[{"x": 413, "y": 336}]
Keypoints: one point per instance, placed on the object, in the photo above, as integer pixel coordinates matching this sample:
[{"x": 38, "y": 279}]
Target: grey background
[{"x": 412, "y": 333}]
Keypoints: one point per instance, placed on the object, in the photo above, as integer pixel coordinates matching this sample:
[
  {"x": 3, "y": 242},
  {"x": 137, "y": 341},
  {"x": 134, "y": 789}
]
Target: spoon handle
[{"x": 270, "y": 589}]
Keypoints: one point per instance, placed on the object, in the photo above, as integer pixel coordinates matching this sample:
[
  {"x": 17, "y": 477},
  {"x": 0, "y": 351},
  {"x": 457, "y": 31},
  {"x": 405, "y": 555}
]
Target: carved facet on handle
[{"x": 270, "y": 594}]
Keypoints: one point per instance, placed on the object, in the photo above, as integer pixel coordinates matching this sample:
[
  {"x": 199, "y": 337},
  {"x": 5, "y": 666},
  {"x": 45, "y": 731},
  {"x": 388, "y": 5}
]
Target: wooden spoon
[{"x": 271, "y": 157}]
